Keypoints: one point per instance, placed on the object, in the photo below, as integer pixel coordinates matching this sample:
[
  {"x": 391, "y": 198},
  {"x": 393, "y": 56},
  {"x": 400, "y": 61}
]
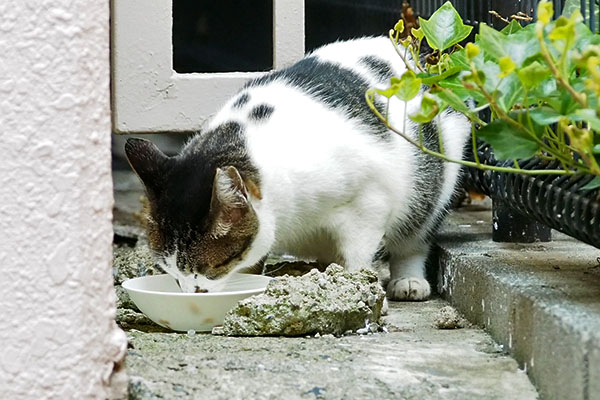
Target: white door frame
[{"x": 149, "y": 96}]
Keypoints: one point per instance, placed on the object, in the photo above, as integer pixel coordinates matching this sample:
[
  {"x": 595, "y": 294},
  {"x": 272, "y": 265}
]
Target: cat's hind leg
[{"x": 407, "y": 274}]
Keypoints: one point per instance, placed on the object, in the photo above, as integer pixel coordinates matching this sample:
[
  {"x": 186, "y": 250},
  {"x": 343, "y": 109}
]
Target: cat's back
[{"x": 332, "y": 79}]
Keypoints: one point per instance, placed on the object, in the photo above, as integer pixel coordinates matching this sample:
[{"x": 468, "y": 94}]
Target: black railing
[{"x": 476, "y": 11}]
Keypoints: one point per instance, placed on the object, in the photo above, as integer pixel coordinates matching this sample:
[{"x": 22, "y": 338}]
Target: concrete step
[
  {"x": 540, "y": 301},
  {"x": 415, "y": 360}
]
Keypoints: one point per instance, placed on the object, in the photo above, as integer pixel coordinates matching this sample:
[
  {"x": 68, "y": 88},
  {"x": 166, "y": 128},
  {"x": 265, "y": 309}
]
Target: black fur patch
[
  {"x": 334, "y": 86},
  {"x": 428, "y": 181},
  {"x": 380, "y": 68},
  {"x": 187, "y": 179},
  {"x": 243, "y": 99},
  {"x": 261, "y": 112}
]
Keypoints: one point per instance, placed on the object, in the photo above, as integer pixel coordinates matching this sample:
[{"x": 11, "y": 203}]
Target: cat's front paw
[{"x": 415, "y": 289}]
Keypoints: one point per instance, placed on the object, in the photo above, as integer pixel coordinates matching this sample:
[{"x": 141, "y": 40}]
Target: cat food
[{"x": 330, "y": 302}]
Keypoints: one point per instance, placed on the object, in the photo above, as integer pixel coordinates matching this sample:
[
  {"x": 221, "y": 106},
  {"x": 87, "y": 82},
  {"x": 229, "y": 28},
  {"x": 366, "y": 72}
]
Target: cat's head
[{"x": 200, "y": 219}]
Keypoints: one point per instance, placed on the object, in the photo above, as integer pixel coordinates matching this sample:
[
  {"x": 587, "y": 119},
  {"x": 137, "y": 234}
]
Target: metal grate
[
  {"x": 556, "y": 201},
  {"x": 476, "y": 11},
  {"x": 588, "y": 9}
]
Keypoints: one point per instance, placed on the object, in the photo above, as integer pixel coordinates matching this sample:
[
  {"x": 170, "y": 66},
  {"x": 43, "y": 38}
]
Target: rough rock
[
  {"x": 330, "y": 302},
  {"x": 130, "y": 319},
  {"x": 130, "y": 263},
  {"x": 291, "y": 268},
  {"x": 449, "y": 318},
  {"x": 123, "y": 299},
  {"x": 133, "y": 262}
]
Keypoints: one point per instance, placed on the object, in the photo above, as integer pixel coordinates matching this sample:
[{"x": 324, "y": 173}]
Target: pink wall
[{"x": 58, "y": 339}]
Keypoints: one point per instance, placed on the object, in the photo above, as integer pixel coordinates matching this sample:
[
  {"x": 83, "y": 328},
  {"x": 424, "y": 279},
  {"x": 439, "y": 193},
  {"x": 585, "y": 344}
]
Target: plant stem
[
  {"x": 369, "y": 96},
  {"x": 557, "y": 74},
  {"x": 474, "y": 144},
  {"x": 502, "y": 115},
  {"x": 409, "y": 66}
]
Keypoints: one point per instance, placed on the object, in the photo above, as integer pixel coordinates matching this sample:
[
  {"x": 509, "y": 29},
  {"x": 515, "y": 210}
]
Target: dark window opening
[
  {"x": 222, "y": 36},
  {"x": 329, "y": 20}
]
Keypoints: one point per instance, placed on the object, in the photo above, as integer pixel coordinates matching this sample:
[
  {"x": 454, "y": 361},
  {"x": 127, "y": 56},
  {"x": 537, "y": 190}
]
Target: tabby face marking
[{"x": 200, "y": 233}]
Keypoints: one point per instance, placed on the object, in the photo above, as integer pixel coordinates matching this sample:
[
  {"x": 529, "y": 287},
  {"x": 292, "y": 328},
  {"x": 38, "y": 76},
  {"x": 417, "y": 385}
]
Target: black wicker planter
[
  {"x": 526, "y": 207},
  {"x": 556, "y": 201}
]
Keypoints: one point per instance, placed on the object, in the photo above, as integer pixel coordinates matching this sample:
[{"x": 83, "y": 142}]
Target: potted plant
[{"x": 539, "y": 84}]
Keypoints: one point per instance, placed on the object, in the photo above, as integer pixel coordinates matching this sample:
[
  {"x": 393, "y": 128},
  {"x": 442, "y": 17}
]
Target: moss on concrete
[{"x": 330, "y": 302}]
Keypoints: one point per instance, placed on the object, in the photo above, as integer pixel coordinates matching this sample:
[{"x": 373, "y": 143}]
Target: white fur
[
  {"x": 332, "y": 191},
  {"x": 188, "y": 283}
]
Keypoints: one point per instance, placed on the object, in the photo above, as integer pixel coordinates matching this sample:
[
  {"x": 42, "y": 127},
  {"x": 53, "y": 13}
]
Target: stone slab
[{"x": 541, "y": 301}]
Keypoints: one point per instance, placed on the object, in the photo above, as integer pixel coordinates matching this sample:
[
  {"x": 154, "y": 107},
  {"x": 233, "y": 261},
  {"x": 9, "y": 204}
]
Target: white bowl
[{"x": 160, "y": 299}]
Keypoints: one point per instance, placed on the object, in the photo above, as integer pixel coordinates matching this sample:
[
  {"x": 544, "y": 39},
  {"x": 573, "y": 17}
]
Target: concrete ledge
[{"x": 540, "y": 301}]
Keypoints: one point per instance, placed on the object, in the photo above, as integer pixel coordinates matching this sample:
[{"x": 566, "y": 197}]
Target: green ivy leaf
[
  {"x": 519, "y": 46},
  {"x": 564, "y": 29},
  {"x": 511, "y": 92},
  {"x": 572, "y": 6},
  {"x": 459, "y": 59},
  {"x": 544, "y": 115},
  {"x": 387, "y": 92},
  {"x": 546, "y": 89},
  {"x": 589, "y": 116},
  {"x": 507, "y": 90},
  {"x": 399, "y": 27},
  {"x": 445, "y": 28},
  {"x": 533, "y": 74},
  {"x": 585, "y": 37},
  {"x": 545, "y": 12},
  {"x": 452, "y": 99},
  {"x": 408, "y": 86},
  {"x": 455, "y": 84},
  {"x": 430, "y": 79},
  {"x": 417, "y": 33},
  {"x": 511, "y": 28},
  {"x": 429, "y": 109},
  {"x": 507, "y": 143},
  {"x": 593, "y": 184}
]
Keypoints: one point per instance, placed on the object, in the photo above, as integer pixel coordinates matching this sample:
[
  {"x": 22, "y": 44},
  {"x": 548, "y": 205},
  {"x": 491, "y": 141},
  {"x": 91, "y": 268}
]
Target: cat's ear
[
  {"x": 229, "y": 202},
  {"x": 146, "y": 160}
]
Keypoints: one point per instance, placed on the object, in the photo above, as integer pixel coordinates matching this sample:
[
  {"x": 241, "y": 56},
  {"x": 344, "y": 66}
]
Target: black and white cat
[{"x": 297, "y": 163}]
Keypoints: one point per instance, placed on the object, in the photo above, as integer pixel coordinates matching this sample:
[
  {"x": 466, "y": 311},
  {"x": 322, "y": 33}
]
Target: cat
[{"x": 297, "y": 163}]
